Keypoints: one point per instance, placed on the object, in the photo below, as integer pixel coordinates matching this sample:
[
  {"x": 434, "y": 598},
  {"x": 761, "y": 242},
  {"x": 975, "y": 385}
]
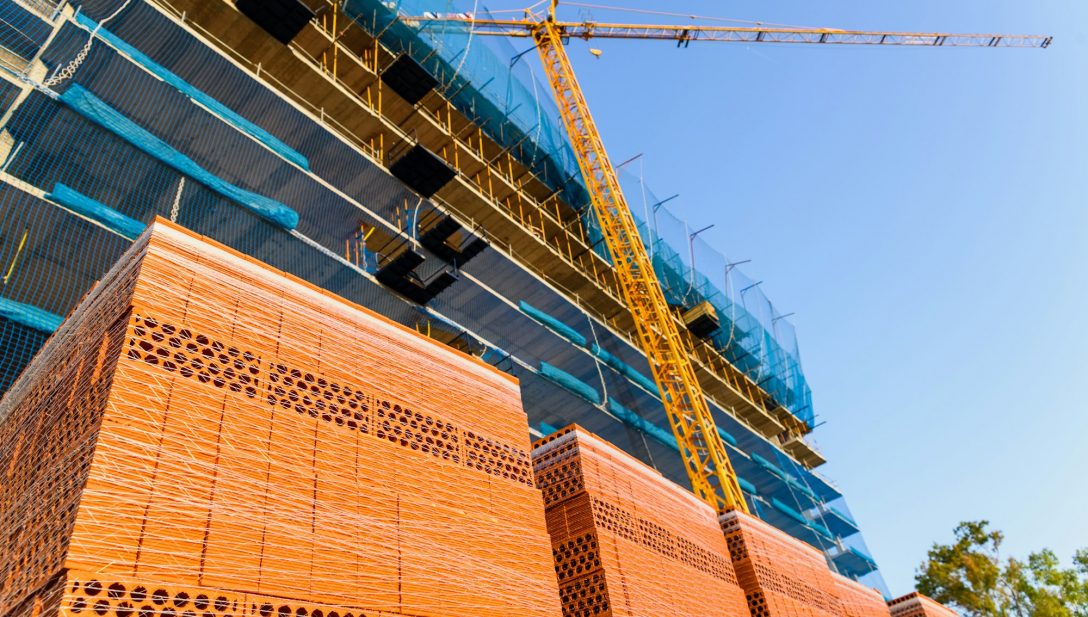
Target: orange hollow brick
[
  {"x": 206, "y": 437},
  {"x": 915, "y": 604},
  {"x": 626, "y": 541},
  {"x": 781, "y": 575},
  {"x": 859, "y": 600}
]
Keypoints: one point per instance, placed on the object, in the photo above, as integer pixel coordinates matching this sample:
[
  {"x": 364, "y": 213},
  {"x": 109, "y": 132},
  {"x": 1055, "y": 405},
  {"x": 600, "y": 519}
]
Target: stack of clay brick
[
  {"x": 916, "y": 605},
  {"x": 208, "y": 437},
  {"x": 781, "y": 576},
  {"x": 626, "y": 541},
  {"x": 859, "y": 600}
]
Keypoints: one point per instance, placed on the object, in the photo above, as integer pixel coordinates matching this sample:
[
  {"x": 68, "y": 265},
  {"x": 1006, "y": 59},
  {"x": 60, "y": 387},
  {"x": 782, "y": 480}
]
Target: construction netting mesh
[
  {"x": 22, "y": 32},
  {"x": 754, "y": 335},
  {"x": 80, "y": 172},
  {"x": 490, "y": 81}
]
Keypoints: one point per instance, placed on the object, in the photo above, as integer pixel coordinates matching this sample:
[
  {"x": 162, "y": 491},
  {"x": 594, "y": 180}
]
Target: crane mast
[{"x": 706, "y": 461}]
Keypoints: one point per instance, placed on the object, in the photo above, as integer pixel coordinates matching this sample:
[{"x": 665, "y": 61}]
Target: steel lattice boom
[{"x": 732, "y": 34}]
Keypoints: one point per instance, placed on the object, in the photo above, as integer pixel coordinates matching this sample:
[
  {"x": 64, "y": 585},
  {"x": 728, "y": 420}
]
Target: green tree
[{"x": 971, "y": 575}]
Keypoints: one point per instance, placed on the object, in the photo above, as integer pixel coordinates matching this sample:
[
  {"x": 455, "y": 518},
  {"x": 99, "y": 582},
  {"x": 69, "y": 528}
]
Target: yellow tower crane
[{"x": 705, "y": 458}]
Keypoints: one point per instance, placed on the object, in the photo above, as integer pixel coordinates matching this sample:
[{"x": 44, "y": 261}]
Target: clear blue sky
[{"x": 923, "y": 212}]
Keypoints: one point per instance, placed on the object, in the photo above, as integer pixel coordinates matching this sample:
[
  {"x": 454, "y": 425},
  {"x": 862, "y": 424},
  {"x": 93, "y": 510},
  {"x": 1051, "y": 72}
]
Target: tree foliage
[{"x": 972, "y": 576}]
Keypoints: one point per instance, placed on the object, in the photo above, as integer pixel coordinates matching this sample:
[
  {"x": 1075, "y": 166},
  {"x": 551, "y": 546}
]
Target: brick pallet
[
  {"x": 208, "y": 437},
  {"x": 916, "y": 605},
  {"x": 859, "y": 600},
  {"x": 781, "y": 576},
  {"x": 626, "y": 541}
]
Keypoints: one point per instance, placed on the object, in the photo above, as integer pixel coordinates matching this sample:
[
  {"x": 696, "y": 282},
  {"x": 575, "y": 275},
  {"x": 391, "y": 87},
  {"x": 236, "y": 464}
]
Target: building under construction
[{"x": 407, "y": 166}]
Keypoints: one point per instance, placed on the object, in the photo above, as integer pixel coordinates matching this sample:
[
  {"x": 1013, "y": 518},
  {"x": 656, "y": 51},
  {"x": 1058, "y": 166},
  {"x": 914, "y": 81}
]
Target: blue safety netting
[
  {"x": 29, "y": 315},
  {"x": 487, "y": 79},
  {"x": 570, "y": 383},
  {"x": 98, "y": 111},
  {"x": 553, "y": 324},
  {"x": 623, "y": 368},
  {"x": 226, "y": 113},
  {"x": 22, "y": 34},
  {"x": 754, "y": 336},
  {"x": 18, "y": 344},
  {"x": 96, "y": 211},
  {"x": 635, "y": 420}
]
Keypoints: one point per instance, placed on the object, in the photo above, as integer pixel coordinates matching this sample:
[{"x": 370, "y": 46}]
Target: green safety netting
[{"x": 153, "y": 123}]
